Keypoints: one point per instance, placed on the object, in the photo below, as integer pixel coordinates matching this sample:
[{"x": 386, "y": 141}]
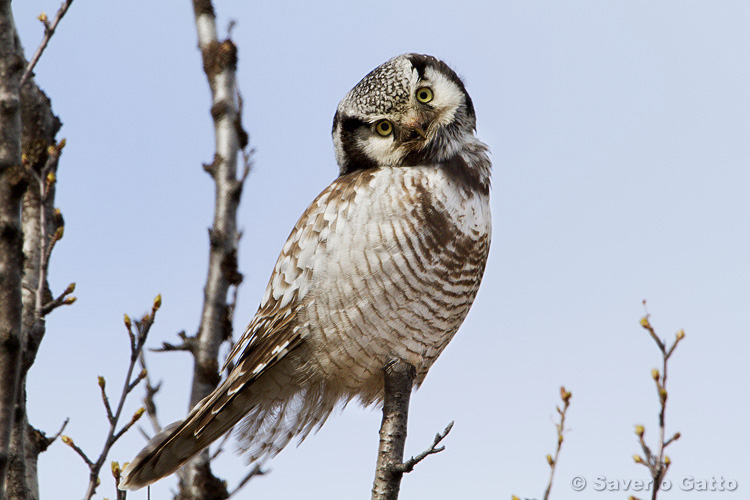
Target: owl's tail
[{"x": 179, "y": 442}]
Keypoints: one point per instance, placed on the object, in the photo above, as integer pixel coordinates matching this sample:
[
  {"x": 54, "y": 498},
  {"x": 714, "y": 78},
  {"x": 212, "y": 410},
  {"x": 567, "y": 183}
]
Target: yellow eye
[
  {"x": 424, "y": 94},
  {"x": 384, "y": 128}
]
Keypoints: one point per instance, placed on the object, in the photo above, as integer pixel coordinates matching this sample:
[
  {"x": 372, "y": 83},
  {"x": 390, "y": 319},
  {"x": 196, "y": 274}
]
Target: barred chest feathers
[{"x": 385, "y": 263}]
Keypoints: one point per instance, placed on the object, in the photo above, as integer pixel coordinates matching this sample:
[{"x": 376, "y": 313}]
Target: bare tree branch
[
  {"x": 409, "y": 465},
  {"x": 59, "y": 433},
  {"x": 117, "y": 473},
  {"x": 657, "y": 462},
  {"x": 67, "y": 440},
  {"x": 49, "y": 30},
  {"x": 63, "y": 299},
  {"x": 188, "y": 344},
  {"x": 138, "y": 340},
  {"x": 398, "y": 381},
  {"x": 255, "y": 471},
  {"x": 12, "y": 185},
  {"x": 398, "y": 378},
  {"x": 149, "y": 399},
  {"x": 219, "y": 64},
  {"x": 552, "y": 461}
]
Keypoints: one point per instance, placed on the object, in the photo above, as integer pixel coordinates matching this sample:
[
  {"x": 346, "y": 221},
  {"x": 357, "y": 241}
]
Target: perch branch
[{"x": 398, "y": 380}]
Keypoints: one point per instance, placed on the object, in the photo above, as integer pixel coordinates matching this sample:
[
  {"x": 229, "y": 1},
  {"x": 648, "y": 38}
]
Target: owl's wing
[
  {"x": 269, "y": 337},
  {"x": 273, "y": 332}
]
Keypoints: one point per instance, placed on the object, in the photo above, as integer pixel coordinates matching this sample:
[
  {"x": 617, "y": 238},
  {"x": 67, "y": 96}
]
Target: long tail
[{"x": 182, "y": 440}]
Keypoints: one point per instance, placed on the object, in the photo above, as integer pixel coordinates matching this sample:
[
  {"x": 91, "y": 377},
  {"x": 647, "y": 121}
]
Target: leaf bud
[{"x": 138, "y": 414}]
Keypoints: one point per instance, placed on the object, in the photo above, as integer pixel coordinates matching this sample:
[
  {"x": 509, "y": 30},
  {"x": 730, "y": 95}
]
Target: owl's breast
[{"x": 396, "y": 272}]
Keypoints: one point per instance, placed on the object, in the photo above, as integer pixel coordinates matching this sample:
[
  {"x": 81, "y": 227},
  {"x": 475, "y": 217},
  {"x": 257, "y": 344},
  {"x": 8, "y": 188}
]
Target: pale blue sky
[{"x": 620, "y": 134}]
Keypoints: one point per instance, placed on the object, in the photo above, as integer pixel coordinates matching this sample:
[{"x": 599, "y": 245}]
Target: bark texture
[
  {"x": 11, "y": 238},
  {"x": 398, "y": 382},
  {"x": 42, "y": 228},
  {"x": 219, "y": 63},
  {"x": 29, "y": 229}
]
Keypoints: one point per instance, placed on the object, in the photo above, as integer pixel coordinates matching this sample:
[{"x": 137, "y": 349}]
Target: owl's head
[{"x": 411, "y": 110}]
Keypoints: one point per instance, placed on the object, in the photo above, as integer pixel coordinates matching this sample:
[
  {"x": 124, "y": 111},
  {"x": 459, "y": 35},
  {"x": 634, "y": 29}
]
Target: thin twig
[
  {"x": 67, "y": 440},
  {"x": 137, "y": 380},
  {"x": 105, "y": 399},
  {"x": 552, "y": 461},
  {"x": 408, "y": 466},
  {"x": 116, "y": 474},
  {"x": 59, "y": 433},
  {"x": 137, "y": 341},
  {"x": 45, "y": 179},
  {"x": 256, "y": 471},
  {"x": 657, "y": 462},
  {"x": 49, "y": 30},
  {"x": 149, "y": 399},
  {"x": 188, "y": 344},
  {"x": 62, "y": 300},
  {"x": 247, "y": 151}
]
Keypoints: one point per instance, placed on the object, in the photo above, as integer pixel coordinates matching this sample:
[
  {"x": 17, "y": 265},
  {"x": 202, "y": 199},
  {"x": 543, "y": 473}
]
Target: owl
[{"x": 382, "y": 266}]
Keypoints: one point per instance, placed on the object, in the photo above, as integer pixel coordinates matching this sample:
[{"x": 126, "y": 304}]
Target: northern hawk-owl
[{"x": 383, "y": 265}]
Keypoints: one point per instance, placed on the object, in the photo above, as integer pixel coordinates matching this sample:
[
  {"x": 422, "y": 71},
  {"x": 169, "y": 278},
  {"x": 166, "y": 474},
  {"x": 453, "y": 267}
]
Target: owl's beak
[
  {"x": 419, "y": 130},
  {"x": 416, "y": 128}
]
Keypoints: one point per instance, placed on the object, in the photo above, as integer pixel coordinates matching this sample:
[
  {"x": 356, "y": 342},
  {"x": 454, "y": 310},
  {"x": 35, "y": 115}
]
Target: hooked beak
[
  {"x": 419, "y": 130},
  {"x": 416, "y": 130}
]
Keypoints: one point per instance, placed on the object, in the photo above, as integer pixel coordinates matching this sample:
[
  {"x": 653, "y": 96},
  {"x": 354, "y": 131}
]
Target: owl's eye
[
  {"x": 384, "y": 128},
  {"x": 424, "y": 94}
]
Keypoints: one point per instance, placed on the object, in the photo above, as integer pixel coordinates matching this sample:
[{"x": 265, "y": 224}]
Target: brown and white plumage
[{"x": 383, "y": 265}]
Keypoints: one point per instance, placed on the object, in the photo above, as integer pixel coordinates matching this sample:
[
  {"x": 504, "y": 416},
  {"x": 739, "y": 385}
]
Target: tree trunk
[{"x": 11, "y": 238}]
